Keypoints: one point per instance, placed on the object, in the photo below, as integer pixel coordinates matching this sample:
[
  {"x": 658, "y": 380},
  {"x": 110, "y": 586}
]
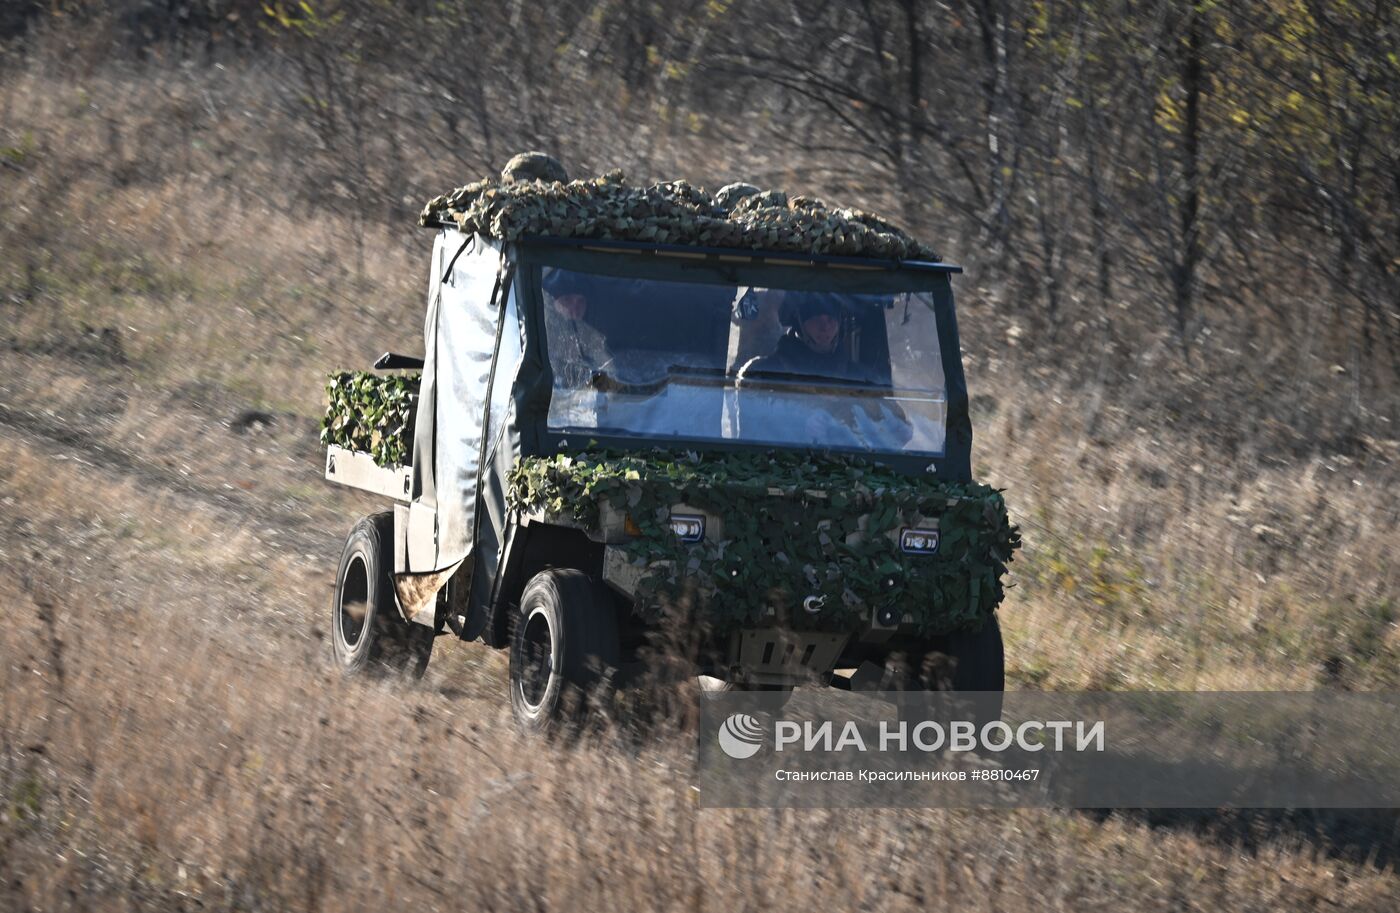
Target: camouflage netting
[
  {"x": 823, "y": 530},
  {"x": 371, "y": 413},
  {"x": 738, "y": 216}
]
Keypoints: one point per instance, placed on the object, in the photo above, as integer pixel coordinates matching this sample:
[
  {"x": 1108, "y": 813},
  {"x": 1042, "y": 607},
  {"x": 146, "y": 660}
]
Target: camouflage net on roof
[{"x": 675, "y": 212}]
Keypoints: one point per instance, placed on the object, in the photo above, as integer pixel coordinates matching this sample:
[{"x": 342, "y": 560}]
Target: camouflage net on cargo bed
[
  {"x": 738, "y": 216},
  {"x": 794, "y": 526},
  {"x": 371, "y": 413}
]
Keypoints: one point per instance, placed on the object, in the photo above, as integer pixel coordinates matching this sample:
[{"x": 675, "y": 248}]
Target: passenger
[{"x": 576, "y": 349}]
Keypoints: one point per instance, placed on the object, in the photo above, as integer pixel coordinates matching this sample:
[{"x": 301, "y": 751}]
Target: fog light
[
  {"x": 688, "y": 528},
  {"x": 918, "y": 541},
  {"x": 887, "y": 617}
]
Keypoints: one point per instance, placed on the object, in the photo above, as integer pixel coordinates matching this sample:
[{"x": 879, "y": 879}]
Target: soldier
[
  {"x": 815, "y": 348},
  {"x": 728, "y": 196},
  {"x": 576, "y": 348},
  {"x": 533, "y": 166},
  {"x": 812, "y": 344}
]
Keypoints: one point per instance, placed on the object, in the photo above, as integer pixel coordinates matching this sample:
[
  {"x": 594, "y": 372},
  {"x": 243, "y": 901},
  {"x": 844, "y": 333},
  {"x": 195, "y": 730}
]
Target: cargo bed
[{"x": 358, "y": 470}]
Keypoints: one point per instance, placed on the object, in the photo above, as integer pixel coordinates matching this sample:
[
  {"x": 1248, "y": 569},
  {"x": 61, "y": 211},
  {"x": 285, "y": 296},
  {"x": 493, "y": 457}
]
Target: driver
[
  {"x": 576, "y": 348},
  {"x": 813, "y": 342},
  {"x": 816, "y": 345}
]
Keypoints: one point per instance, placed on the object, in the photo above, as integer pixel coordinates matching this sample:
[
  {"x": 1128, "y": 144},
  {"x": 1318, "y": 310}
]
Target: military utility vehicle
[{"x": 768, "y": 449}]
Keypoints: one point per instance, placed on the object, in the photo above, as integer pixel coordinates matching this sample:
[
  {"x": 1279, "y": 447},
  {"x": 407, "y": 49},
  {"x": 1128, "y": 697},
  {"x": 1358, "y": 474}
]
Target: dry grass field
[{"x": 172, "y": 736}]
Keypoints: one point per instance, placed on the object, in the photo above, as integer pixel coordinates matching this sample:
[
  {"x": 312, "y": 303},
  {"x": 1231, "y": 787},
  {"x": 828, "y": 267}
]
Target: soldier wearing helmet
[
  {"x": 815, "y": 341},
  {"x": 576, "y": 347},
  {"x": 817, "y": 346}
]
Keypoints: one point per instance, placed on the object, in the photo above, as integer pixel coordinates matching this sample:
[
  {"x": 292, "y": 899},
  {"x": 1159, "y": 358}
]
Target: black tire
[
  {"x": 368, "y": 635},
  {"x": 970, "y": 665},
  {"x": 966, "y": 661},
  {"x": 563, "y": 640}
]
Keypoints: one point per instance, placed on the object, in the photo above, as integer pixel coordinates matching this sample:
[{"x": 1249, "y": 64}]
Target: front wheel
[
  {"x": 969, "y": 664},
  {"x": 563, "y": 640},
  {"x": 368, "y": 635},
  {"x": 966, "y": 661}
]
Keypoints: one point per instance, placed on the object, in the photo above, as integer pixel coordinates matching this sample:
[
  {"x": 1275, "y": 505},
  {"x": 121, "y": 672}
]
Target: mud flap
[{"x": 416, "y": 594}]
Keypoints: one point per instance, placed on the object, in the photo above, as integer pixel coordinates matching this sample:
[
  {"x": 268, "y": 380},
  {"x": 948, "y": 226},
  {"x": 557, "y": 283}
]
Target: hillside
[{"x": 204, "y": 221}]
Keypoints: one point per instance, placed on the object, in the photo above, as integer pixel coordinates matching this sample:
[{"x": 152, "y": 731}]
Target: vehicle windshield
[{"x": 652, "y": 358}]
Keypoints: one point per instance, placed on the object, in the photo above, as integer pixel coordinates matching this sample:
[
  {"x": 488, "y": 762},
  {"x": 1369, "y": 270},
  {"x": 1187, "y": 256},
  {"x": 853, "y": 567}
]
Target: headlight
[
  {"x": 918, "y": 541},
  {"x": 688, "y": 528}
]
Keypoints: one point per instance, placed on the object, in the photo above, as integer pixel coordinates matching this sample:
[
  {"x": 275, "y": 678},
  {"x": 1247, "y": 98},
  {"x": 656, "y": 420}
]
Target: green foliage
[
  {"x": 795, "y": 525},
  {"x": 670, "y": 213},
  {"x": 1110, "y": 582},
  {"x": 301, "y": 17},
  {"x": 1358, "y": 646},
  {"x": 26, "y": 801},
  {"x": 371, "y": 413}
]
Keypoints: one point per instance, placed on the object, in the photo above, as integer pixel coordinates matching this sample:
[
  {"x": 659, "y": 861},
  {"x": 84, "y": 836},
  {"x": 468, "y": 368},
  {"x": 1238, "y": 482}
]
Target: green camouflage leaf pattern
[
  {"x": 371, "y": 413},
  {"x": 795, "y": 525}
]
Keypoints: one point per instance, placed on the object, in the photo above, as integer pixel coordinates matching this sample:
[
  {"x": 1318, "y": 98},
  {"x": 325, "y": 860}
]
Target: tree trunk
[{"x": 1188, "y": 260}]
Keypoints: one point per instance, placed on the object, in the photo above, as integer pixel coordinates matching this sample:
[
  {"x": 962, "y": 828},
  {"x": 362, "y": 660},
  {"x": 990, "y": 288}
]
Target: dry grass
[
  {"x": 170, "y": 737},
  {"x": 1151, "y": 563},
  {"x": 155, "y": 760}
]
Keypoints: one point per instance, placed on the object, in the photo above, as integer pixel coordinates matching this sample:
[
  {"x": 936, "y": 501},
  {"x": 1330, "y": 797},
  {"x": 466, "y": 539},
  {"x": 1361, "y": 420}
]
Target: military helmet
[
  {"x": 799, "y": 307},
  {"x": 730, "y": 194},
  {"x": 559, "y": 282},
  {"x": 533, "y": 166}
]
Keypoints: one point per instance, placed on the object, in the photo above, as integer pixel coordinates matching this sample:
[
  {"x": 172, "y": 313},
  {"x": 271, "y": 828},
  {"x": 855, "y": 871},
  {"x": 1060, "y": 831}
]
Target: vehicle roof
[
  {"x": 733, "y": 255},
  {"x": 674, "y": 216}
]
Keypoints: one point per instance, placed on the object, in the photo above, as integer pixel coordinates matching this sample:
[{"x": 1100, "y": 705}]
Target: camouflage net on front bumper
[
  {"x": 371, "y": 413},
  {"x": 794, "y": 526},
  {"x": 670, "y": 213}
]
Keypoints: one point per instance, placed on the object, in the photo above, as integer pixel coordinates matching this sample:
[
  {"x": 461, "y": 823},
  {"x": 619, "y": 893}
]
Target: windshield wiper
[
  {"x": 792, "y": 380},
  {"x": 604, "y": 382},
  {"x": 707, "y": 377}
]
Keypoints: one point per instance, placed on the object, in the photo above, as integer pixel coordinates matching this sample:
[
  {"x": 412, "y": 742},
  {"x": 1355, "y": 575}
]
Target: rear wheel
[
  {"x": 368, "y": 635},
  {"x": 563, "y": 640}
]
